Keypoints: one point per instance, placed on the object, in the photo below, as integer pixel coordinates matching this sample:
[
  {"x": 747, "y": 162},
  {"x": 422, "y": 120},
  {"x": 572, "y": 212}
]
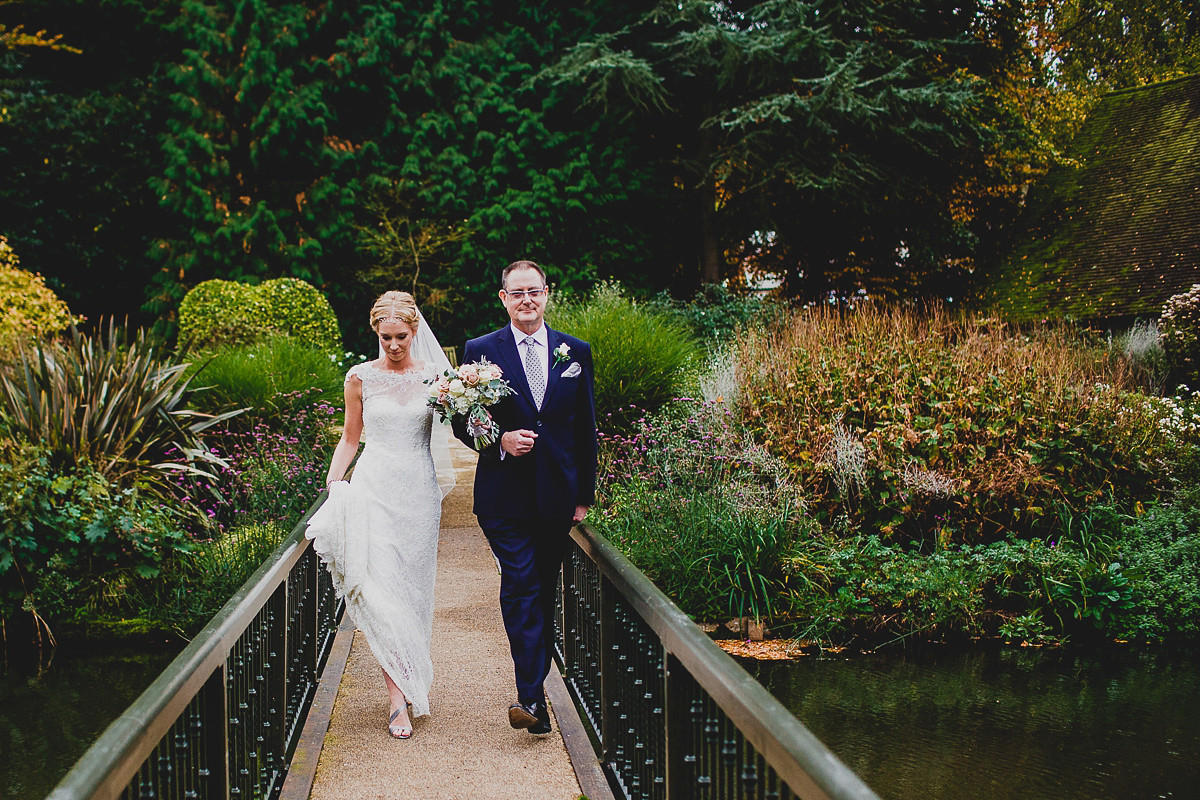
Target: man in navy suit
[{"x": 538, "y": 479}]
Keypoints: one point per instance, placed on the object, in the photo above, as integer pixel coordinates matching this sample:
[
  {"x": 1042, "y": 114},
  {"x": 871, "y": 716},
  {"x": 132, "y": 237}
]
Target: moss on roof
[{"x": 1119, "y": 235}]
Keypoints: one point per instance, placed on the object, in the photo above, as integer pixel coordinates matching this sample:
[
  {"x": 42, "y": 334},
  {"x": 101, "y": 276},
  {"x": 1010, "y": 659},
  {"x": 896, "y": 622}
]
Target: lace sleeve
[{"x": 353, "y": 372}]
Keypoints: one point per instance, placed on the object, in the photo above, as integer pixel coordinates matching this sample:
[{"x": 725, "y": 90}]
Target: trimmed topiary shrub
[
  {"x": 296, "y": 308},
  {"x": 1179, "y": 327},
  {"x": 219, "y": 312},
  {"x": 27, "y": 306}
]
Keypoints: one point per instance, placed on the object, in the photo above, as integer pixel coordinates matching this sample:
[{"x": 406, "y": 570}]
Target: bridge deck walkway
[{"x": 464, "y": 750}]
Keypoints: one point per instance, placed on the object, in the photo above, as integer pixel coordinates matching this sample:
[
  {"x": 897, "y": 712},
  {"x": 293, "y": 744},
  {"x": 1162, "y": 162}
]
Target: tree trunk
[{"x": 712, "y": 255}]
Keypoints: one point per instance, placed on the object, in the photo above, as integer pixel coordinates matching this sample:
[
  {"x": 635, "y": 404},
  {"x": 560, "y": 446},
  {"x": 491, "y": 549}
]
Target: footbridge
[{"x": 278, "y": 698}]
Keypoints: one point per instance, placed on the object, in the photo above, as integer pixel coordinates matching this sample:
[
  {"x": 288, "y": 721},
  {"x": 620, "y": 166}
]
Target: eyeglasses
[{"x": 520, "y": 294}]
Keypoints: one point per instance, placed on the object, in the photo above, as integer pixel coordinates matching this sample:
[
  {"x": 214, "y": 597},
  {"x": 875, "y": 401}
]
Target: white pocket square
[{"x": 573, "y": 370}]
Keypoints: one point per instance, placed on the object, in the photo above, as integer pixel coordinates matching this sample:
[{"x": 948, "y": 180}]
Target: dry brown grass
[{"x": 995, "y": 409}]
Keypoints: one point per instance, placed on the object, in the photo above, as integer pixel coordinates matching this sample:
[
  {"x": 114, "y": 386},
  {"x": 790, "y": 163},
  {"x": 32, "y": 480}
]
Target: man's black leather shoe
[
  {"x": 543, "y": 719},
  {"x": 534, "y": 717}
]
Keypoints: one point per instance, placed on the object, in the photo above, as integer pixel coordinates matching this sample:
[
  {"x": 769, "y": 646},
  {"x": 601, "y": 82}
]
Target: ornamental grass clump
[
  {"x": 196, "y": 587},
  {"x": 641, "y": 354},
  {"x": 705, "y": 512},
  {"x": 265, "y": 377},
  {"x": 1142, "y": 348}
]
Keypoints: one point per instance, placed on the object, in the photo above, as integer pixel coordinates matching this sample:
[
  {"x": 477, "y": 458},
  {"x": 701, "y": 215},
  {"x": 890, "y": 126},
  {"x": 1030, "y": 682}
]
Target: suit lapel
[
  {"x": 511, "y": 364},
  {"x": 553, "y": 339}
]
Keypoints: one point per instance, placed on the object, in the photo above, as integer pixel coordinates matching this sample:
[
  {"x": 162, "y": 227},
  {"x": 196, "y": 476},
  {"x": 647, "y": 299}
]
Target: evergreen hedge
[{"x": 218, "y": 312}]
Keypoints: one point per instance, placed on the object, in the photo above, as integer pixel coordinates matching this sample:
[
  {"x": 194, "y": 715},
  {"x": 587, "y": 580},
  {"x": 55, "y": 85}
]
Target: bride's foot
[{"x": 400, "y": 727}]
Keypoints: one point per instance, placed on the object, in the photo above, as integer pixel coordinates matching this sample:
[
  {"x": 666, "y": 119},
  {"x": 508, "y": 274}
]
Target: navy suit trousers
[{"x": 530, "y": 551}]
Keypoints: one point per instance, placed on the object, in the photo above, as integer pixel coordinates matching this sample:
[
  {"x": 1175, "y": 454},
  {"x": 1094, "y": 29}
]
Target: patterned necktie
[{"x": 534, "y": 371}]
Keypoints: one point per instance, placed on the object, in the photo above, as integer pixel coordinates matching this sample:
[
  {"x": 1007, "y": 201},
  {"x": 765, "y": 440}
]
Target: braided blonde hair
[{"x": 399, "y": 306}]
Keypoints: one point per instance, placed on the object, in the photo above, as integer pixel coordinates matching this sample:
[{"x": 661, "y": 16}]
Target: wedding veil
[{"x": 425, "y": 347}]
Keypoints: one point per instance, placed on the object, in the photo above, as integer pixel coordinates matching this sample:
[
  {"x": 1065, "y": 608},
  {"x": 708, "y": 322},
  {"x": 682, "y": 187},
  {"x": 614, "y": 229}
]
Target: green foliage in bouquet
[
  {"x": 28, "y": 307},
  {"x": 72, "y": 542},
  {"x": 218, "y": 312},
  {"x": 1179, "y": 328},
  {"x": 641, "y": 353},
  {"x": 111, "y": 402}
]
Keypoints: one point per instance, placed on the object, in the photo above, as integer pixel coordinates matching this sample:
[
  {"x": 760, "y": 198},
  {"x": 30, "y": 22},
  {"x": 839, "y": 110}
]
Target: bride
[{"x": 378, "y": 533}]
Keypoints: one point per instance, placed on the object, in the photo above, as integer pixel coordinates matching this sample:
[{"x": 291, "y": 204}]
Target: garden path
[{"x": 465, "y": 749}]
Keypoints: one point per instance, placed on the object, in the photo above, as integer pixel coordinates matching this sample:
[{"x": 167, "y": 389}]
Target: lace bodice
[{"x": 396, "y": 416}]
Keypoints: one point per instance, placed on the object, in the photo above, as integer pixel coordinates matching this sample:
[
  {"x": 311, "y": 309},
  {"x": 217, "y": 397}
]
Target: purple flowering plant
[{"x": 274, "y": 468}]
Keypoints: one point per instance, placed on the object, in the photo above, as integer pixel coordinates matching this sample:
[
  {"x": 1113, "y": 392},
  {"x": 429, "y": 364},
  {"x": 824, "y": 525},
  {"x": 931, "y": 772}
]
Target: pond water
[
  {"x": 1003, "y": 724},
  {"x": 48, "y": 720}
]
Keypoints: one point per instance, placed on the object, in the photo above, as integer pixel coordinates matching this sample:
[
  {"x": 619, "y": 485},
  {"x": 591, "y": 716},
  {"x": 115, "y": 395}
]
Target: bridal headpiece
[{"x": 395, "y": 307}]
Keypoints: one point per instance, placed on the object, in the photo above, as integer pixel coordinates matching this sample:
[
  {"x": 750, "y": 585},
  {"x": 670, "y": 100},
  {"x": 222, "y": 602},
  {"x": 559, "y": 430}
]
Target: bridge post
[
  {"x": 608, "y": 673},
  {"x": 681, "y": 750},
  {"x": 214, "y": 725}
]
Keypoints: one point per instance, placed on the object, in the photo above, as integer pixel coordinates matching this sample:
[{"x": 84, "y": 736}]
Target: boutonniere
[{"x": 561, "y": 353}]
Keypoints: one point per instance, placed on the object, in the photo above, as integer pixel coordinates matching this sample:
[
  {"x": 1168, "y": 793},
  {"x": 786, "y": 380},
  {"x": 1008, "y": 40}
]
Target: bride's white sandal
[{"x": 399, "y": 731}]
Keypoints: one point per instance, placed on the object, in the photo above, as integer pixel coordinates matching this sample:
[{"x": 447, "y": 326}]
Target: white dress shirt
[{"x": 542, "y": 338}]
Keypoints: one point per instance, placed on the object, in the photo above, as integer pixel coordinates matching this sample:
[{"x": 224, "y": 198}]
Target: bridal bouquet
[{"x": 467, "y": 392}]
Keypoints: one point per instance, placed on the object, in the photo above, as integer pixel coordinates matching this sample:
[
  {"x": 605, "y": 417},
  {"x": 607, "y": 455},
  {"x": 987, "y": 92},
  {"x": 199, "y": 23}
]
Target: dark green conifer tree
[
  {"x": 829, "y": 143},
  {"x": 252, "y": 163},
  {"x": 516, "y": 164}
]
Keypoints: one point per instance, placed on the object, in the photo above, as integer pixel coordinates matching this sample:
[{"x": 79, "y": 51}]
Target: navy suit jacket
[{"x": 559, "y": 473}]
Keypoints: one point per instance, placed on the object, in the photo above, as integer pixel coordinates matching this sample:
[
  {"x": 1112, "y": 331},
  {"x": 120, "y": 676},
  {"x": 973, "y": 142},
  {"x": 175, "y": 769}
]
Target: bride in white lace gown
[{"x": 378, "y": 533}]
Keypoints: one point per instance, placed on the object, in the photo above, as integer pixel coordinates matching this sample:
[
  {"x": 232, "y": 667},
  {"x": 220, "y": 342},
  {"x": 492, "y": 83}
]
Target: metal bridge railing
[
  {"x": 222, "y": 720},
  {"x": 671, "y": 715}
]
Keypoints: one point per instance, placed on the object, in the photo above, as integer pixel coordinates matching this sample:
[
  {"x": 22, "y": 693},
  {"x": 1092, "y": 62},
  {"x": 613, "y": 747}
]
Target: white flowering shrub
[
  {"x": 1179, "y": 329},
  {"x": 1178, "y": 417}
]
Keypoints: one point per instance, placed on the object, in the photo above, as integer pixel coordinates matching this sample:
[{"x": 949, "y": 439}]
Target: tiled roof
[{"x": 1119, "y": 235}]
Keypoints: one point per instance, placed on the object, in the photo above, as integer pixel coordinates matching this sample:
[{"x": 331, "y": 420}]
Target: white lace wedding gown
[{"x": 378, "y": 533}]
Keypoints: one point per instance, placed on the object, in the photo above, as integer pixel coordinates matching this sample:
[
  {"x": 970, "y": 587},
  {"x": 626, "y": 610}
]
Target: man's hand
[
  {"x": 518, "y": 442},
  {"x": 580, "y": 513}
]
